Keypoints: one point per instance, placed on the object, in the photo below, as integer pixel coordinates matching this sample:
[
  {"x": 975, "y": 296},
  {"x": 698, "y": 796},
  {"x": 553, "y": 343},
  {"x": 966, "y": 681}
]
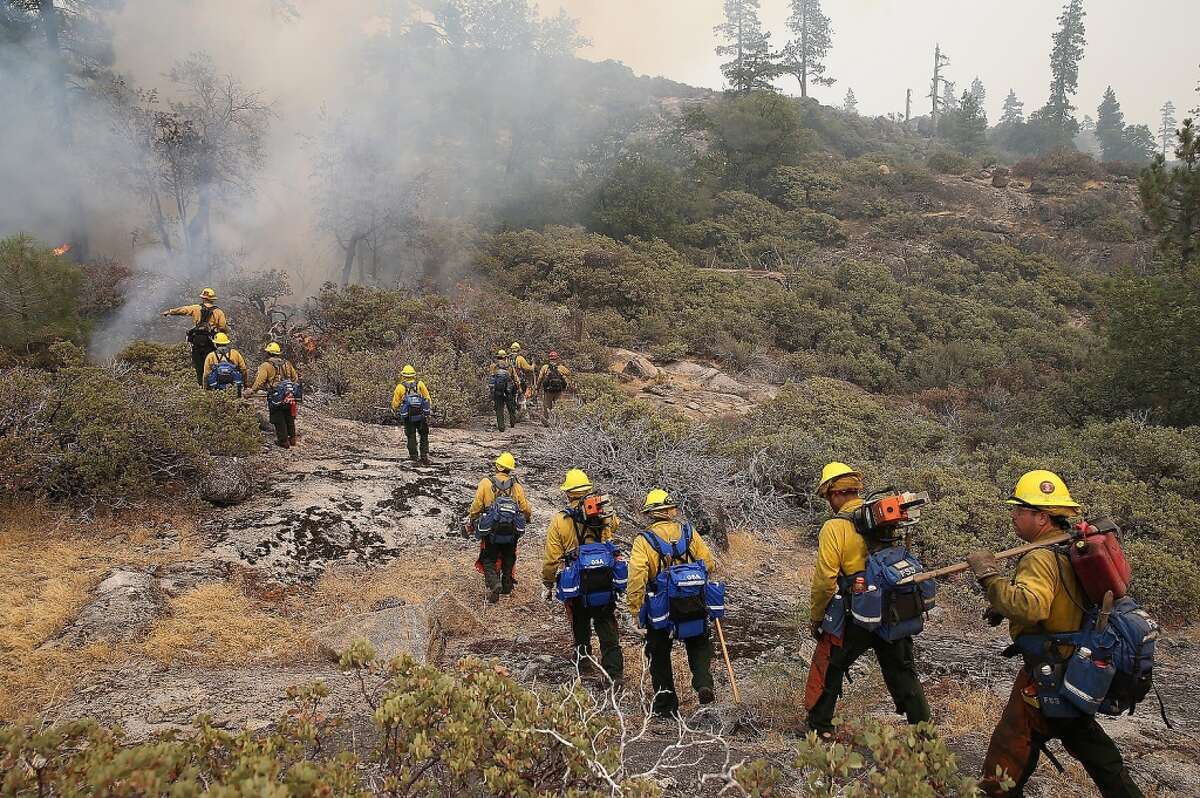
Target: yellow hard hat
[
  {"x": 574, "y": 481},
  {"x": 208, "y": 294},
  {"x": 658, "y": 499},
  {"x": 506, "y": 462},
  {"x": 1044, "y": 490},
  {"x": 408, "y": 371},
  {"x": 516, "y": 347},
  {"x": 220, "y": 339},
  {"x": 273, "y": 348},
  {"x": 832, "y": 472},
  {"x": 501, "y": 353}
]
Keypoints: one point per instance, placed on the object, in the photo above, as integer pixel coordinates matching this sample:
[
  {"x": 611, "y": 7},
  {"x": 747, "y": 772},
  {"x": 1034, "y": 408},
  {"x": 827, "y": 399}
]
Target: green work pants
[
  {"x": 510, "y": 404},
  {"x": 662, "y": 677},
  {"x": 899, "y": 674},
  {"x": 604, "y": 620}
]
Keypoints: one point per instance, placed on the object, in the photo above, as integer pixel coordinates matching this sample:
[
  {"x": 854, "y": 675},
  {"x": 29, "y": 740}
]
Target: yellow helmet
[
  {"x": 220, "y": 339},
  {"x": 408, "y": 371},
  {"x": 506, "y": 462},
  {"x": 658, "y": 499},
  {"x": 208, "y": 294},
  {"x": 1044, "y": 490},
  {"x": 516, "y": 347},
  {"x": 834, "y": 472},
  {"x": 575, "y": 481},
  {"x": 273, "y": 349},
  {"x": 501, "y": 353}
]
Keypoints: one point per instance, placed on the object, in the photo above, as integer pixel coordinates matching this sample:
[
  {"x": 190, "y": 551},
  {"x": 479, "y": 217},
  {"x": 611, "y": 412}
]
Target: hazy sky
[{"x": 1149, "y": 51}]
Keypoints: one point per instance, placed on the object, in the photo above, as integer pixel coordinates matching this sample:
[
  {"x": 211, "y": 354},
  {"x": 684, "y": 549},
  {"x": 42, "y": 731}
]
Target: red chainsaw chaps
[{"x": 816, "y": 671}]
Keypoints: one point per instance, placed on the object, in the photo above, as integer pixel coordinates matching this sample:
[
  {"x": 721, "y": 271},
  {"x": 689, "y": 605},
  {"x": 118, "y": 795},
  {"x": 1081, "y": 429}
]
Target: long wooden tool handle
[
  {"x": 958, "y": 568},
  {"x": 737, "y": 698}
]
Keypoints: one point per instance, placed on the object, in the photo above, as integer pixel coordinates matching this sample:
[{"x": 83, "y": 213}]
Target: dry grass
[
  {"x": 48, "y": 567},
  {"x": 962, "y": 710},
  {"x": 218, "y": 624}
]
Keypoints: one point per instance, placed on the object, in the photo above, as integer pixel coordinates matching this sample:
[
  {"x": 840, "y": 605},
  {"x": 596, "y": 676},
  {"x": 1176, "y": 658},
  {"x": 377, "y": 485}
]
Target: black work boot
[
  {"x": 492, "y": 584},
  {"x": 705, "y": 695}
]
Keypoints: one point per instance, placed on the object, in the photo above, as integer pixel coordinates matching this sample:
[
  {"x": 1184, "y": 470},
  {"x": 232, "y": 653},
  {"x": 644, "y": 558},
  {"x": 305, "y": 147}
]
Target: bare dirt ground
[{"x": 220, "y": 612}]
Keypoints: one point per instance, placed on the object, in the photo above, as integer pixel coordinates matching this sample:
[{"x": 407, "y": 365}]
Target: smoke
[{"x": 390, "y": 131}]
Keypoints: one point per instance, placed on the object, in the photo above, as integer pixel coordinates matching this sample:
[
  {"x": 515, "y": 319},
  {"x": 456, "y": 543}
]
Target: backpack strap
[
  {"x": 502, "y": 490},
  {"x": 206, "y": 313}
]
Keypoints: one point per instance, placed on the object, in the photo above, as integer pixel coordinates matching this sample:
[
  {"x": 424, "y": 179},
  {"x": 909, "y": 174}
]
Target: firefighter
[
  {"x": 224, "y": 352},
  {"x": 524, "y": 370},
  {"x": 503, "y": 384},
  {"x": 564, "y": 535},
  {"x": 842, "y": 552},
  {"x": 411, "y": 401},
  {"x": 1044, "y": 596},
  {"x": 274, "y": 370},
  {"x": 207, "y": 320},
  {"x": 498, "y": 548},
  {"x": 553, "y": 380},
  {"x": 644, "y": 565}
]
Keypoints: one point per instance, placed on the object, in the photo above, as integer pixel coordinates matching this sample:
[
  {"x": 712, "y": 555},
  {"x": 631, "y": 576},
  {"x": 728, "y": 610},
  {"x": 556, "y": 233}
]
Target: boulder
[
  {"x": 632, "y": 364},
  {"x": 1039, "y": 187},
  {"x": 884, "y": 169},
  {"x": 1000, "y": 177},
  {"x": 226, "y": 481},
  {"x": 418, "y": 630},
  {"x": 122, "y": 608}
]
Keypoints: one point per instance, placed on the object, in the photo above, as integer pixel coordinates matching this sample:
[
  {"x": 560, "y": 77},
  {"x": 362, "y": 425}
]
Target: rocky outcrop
[
  {"x": 121, "y": 610},
  {"x": 632, "y": 364},
  {"x": 1000, "y": 177},
  {"x": 419, "y": 631}
]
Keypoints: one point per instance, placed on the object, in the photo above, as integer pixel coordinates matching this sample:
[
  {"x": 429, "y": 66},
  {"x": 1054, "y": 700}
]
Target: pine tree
[
  {"x": 1166, "y": 124},
  {"x": 978, "y": 91},
  {"x": 1171, "y": 198},
  {"x": 949, "y": 97},
  {"x": 1110, "y": 126},
  {"x": 966, "y": 127},
  {"x": 940, "y": 61},
  {"x": 1014, "y": 110},
  {"x": 1196, "y": 110},
  {"x": 751, "y": 65},
  {"x": 850, "y": 104},
  {"x": 1069, "y": 42},
  {"x": 804, "y": 55}
]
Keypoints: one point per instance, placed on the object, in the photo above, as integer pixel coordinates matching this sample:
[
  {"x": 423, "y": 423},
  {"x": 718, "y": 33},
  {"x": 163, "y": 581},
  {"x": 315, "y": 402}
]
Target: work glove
[
  {"x": 983, "y": 564},
  {"x": 992, "y": 617},
  {"x": 814, "y": 630}
]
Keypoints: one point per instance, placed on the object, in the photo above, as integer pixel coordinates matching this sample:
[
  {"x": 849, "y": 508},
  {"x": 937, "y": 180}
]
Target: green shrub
[
  {"x": 39, "y": 297},
  {"x": 159, "y": 360},
  {"x": 948, "y": 162},
  {"x": 1062, "y": 163},
  {"x": 87, "y": 434}
]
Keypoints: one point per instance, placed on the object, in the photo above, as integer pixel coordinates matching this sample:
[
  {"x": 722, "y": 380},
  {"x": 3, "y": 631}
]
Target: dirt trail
[{"x": 345, "y": 524}]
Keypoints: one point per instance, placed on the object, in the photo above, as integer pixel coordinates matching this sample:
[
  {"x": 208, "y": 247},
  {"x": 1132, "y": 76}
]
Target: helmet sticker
[{"x": 1047, "y": 487}]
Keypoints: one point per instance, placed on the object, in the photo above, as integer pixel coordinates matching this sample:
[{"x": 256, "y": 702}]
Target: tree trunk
[
  {"x": 351, "y": 251},
  {"x": 804, "y": 53}
]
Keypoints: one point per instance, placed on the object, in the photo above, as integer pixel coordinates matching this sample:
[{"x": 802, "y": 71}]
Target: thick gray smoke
[{"x": 362, "y": 140}]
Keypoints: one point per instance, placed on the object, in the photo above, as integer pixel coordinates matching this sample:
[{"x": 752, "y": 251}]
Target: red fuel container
[{"x": 1099, "y": 563}]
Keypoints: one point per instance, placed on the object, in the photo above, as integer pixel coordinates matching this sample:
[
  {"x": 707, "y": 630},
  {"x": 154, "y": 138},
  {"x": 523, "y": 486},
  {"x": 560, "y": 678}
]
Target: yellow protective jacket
[
  {"x": 217, "y": 320},
  {"x": 562, "y": 370},
  {"x": 485, "y": 494},
  {"x": 841, "y": 551},
  {"x": 268, "y": 377},
  {"x": 562, "y": 537},
  {"x": 523, "y": 365},
  {"x": 234, "y": 357},
  {"x": 1043, "y": 595},
  {"x": 645, "y": 563},
  {"x": 398, "y": 395}
]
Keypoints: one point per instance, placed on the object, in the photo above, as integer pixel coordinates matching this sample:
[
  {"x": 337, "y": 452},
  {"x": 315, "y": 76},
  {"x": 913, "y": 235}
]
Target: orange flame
[{"x": 63, "y": 250}]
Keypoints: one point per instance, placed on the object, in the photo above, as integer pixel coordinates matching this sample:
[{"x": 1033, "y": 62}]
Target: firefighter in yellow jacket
[
  {"x": 497, "y": 558},
  {"x": 1042, "y": 596},
  {"x": 842, "y": 552},
  {"x": 414, "y": 415},
  {"x": 207, "y": 320},
  {"x": 564, "y": 535},
  {"x": 524, "y": 369},
  {"x": 552, "y": 381},
  {"x": 645, "y": 563},
  {"x": 270, "y": 373},
  {"x": 224, "y": 351}
]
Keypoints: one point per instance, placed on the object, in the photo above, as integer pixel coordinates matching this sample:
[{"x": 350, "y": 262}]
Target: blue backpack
[
  {"x": 503, "y": 521},
  {"x": 286, "y": 392},
  {"x": 1109, "y": 671},
  {"x": 595, "y": 573},
  {"x": 876, "y": 599},
  {"x": 224, "y": 374},
  {"x": 680, "y": 597},
  {"x": 501, "y": 384},
  {"x": 413, "y": 407}
]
